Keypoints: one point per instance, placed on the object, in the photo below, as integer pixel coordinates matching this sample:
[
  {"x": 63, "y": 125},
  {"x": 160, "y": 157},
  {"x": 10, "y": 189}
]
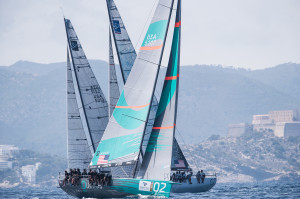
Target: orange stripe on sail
[
  {"x": 132, "y": 106},
  {"x": 177, "y": 24},
  {"x": 172, "y": 77},
  {"x": 151, "y": 47},
  {"x": 163, "y": 127}
]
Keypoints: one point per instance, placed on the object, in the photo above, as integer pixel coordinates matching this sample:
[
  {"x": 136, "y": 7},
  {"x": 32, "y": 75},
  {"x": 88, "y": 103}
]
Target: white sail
[
  {"x": 125, "y": 50},
  {"x": 95, "y": 106},
  {"x": 79, "y": 154},
  {"x": 121, "y": 142},
  {"x": 113, "y": 90}
]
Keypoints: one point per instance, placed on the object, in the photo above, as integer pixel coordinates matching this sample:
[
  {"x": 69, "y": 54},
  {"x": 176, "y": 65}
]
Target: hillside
[
  {"x": 33, "y": 100},
  {"x": 259, "y": 156}
]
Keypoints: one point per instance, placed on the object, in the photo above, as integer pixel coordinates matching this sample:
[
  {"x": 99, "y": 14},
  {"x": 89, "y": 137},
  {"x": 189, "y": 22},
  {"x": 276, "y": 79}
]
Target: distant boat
[{"x": 134, "y": 170}]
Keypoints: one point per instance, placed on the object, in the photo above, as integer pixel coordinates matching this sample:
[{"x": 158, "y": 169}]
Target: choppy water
[{"x": 284, "y": 190}]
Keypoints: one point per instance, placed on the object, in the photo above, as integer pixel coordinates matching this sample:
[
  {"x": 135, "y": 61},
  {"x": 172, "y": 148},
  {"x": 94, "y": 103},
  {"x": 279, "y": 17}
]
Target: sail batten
[{"x": 123, "y": 136}]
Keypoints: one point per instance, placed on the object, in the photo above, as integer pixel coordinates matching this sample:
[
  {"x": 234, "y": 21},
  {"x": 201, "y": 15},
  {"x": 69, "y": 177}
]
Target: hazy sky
[{"x": 241, "y": 33}]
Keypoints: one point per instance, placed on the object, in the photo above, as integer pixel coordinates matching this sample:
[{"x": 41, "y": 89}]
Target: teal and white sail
[
  {"x": 158, "y": 156},
  {"x": 125, "y": 50},
  {"x": 121, "y": 142},
  {"x": 127, "y": 55},
  {"x": 79, "y": 154},
  {"x": 95, "y": 107},
  {"x": 113, "y": 91}
]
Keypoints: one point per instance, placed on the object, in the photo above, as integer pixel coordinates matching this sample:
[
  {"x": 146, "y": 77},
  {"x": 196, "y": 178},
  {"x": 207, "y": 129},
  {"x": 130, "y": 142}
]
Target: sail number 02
[{"x": 157, "y": 185}]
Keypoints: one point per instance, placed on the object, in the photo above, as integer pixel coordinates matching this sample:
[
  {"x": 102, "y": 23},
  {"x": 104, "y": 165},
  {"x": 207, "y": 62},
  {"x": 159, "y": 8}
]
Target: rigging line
[
  {"x": 149, "y": 15},
  {"x": 176, "y": 128},
  {"x": 161, "y": 66},
  {"x": 62, "y": 10}
]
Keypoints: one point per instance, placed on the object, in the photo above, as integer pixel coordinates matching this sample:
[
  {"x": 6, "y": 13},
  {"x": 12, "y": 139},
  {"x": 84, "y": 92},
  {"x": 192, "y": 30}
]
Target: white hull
[{"x": 195, "y": 187}]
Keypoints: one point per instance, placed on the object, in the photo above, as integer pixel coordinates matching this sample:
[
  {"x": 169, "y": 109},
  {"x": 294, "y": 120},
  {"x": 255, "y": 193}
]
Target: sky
[{"x": 252, "y": 34}]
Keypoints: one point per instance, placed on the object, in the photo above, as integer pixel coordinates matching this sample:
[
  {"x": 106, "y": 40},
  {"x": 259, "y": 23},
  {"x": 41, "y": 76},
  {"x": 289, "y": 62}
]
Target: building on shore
[
  {"x": 285, "y": 123},
  {"x": 6, "y": 153},
  {"x": 29, "y": 173},
  {"x": 287, "y": 129}
]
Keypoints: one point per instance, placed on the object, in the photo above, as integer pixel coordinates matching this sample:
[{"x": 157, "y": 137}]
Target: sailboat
[{"x": 120, "y": 145}]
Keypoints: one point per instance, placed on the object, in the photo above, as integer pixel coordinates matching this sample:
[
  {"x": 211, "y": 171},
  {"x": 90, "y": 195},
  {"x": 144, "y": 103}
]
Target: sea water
[{"x": 284, "y": 190}]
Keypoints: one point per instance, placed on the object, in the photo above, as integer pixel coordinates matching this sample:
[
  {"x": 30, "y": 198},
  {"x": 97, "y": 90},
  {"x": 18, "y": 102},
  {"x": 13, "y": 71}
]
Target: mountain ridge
[{"x": 33, "y": 100}]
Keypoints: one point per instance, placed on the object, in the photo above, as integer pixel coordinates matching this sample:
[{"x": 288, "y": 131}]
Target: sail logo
[
  {"x": 145, "y": 186},
  {"x": 74, "y": 45},
  {"x": 83, "y": 185},
  {"x": 116, "y": 26},
  {"x": 151, "y": 40},
  {"x": 95, "y": 89},
  {"x": 179, "y": 163},
  {"x": 155, "y": 35},
  {"x": 103, "y": 159}
]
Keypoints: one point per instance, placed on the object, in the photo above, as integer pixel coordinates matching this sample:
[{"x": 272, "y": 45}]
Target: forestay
[
  {"x": 121, "y": 142},
  {"x": 113, "y": 90},
  {"x": 95, "y": 106},
  {"x": 79, "y": 154},
  {"x": 157, "y": 159}
]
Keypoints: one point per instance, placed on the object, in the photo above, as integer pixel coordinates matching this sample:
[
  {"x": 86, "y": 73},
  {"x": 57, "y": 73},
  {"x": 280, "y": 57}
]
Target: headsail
[
  {"x": 95, "y": 106},
  {"x": 113, "y": 91},
  {"x": 125, "y": 50},
  {"x": 157, "y": 159},
  {"x": 178, "y": 159},
  {"x": 121, "y": 142},
  {"x": 79, "y": 154}
]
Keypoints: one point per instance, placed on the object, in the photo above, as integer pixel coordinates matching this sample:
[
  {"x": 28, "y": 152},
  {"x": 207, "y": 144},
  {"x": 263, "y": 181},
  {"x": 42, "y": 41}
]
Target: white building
[
  {"x": 6, "y": 153},
  {"x": 29, "y": 173},
  {"x": 285, "y": 123},
  {"x": 287, "y": 129}
]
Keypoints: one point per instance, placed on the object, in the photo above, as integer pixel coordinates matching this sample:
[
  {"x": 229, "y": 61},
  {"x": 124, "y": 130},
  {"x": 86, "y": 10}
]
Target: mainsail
[
  {"x": 79, "y": 154},
  {"x": 157, "y": 159},
  {"x": 125, "y": 50},
  {"x": 113, "y": 90},
  {"x": 121, "y": 141},
  {"x": 95, "y": 106}
]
